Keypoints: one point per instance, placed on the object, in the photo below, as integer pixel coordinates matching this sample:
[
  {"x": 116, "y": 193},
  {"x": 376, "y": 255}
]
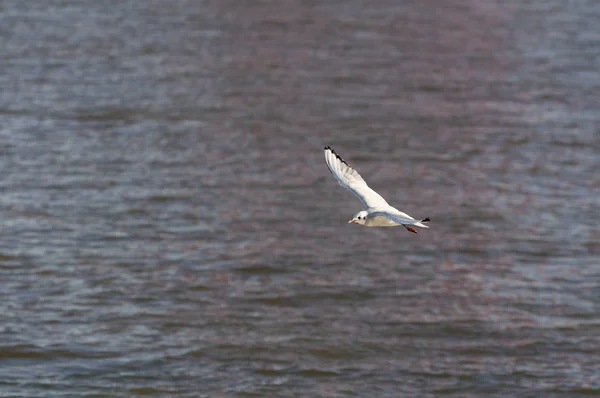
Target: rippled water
[{"x": 170, "y": 227}]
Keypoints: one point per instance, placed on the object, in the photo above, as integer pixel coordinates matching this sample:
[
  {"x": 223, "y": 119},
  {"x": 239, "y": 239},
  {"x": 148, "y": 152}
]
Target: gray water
[{"x": 169, "y": 226}]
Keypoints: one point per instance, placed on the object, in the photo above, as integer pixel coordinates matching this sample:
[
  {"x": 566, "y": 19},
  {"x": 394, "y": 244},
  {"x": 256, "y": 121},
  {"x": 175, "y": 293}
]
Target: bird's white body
[
  {"x": 379, "y": 221},
  {"x": 377, "y": 213},
  {"x": 374, "y": 220}
]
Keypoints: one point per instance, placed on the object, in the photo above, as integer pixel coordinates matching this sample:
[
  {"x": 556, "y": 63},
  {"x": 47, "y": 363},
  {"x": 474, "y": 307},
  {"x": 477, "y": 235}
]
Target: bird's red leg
[{"x": 410, "y": 229}]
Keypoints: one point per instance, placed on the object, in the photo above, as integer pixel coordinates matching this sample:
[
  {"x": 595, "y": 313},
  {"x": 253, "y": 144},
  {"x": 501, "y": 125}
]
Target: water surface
[{"x": 170, "y": 227}]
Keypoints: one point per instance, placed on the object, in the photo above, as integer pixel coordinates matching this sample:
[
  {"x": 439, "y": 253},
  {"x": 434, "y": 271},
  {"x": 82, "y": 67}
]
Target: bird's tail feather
[{"x": 420, "y": 223}]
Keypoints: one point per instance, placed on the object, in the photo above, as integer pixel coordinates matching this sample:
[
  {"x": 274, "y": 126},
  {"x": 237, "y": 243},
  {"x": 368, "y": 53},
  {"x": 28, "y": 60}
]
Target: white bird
[{"x": 378, "y": 212}]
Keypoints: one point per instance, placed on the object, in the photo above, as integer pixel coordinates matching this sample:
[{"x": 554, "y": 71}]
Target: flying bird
[{"x": 377, "y": 213}]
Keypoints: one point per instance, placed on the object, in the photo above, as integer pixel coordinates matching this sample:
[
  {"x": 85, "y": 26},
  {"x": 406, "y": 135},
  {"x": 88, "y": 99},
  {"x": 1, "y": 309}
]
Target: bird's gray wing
[{"x": 351, "y": 180}]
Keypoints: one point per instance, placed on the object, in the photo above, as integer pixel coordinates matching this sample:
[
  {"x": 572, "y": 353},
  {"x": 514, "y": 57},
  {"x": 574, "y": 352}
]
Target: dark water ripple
[{"x": 170, "y": 228}]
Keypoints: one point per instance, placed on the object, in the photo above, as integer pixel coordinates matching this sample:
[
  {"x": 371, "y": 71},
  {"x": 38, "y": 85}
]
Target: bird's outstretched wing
[{"x": 351, "y": 180}]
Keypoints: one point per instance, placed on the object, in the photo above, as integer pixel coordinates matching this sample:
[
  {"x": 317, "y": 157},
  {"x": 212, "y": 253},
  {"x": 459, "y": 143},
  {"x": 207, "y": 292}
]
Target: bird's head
[{"x": 359, "y": 218}]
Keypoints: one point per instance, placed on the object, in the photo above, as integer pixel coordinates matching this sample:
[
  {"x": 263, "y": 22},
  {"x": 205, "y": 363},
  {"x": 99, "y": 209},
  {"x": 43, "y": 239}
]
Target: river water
[{"x": 169, "y": 226}]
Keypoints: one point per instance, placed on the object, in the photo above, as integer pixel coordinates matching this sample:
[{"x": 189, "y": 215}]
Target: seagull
[{"x": 378, "y": 212}]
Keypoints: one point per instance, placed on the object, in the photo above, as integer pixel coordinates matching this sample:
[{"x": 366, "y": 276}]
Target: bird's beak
[{"x": 352, "y": 221}]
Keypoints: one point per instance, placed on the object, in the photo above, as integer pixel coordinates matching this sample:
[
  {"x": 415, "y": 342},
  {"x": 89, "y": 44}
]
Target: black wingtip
[
  {"x": 427, "y": 219},
  {"x": 328, "y": 148}
]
